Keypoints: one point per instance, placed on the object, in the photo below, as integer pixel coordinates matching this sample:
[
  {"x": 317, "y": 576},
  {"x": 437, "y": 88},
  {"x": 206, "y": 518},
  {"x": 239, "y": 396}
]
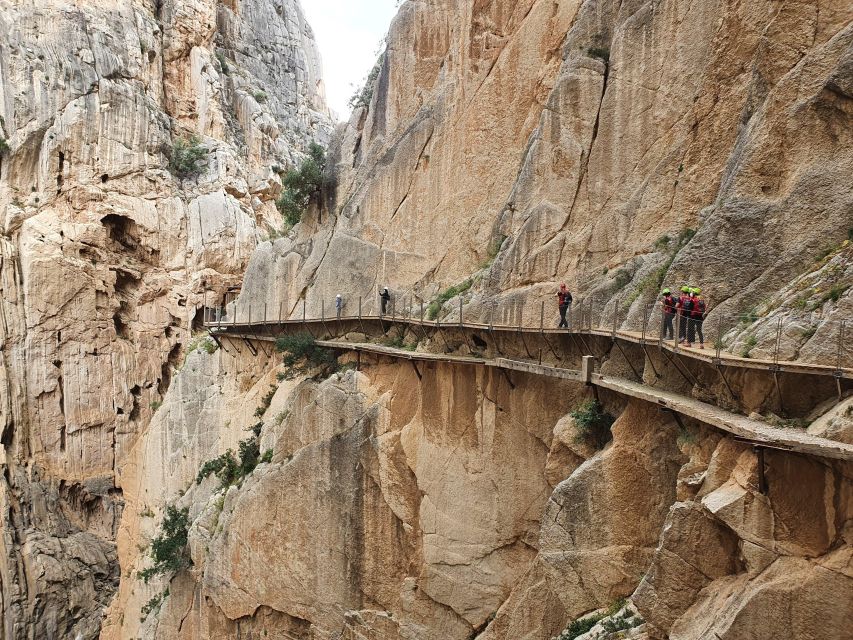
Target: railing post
[
  {"x": 778, "y": 340},
  {"x": 645, "y": 325},
  {"x": 265, "y": 313},
  {"x": 839, "y": 355},
  {"x": 323, "y": 310},
  {"x": 460, "y": 311},
  {"x": 541, "y": 322},
  {"x": 359, "y": 308},
  {"x": 615, "y": 319},
  {"x": 393, "y": 308},
  {"x": 280, "y": 312},
  {"x": 304, "y": 304},
  {"x": 719, "y": 341},
  {"x": 249, "y": 324},
  {"x": 422, "y": 312}
]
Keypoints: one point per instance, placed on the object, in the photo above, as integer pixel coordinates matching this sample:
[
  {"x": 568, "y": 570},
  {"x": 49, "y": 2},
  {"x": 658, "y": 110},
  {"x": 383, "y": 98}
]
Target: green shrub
[
  {"x": 302, "y": 353},
  {"x": 302, "y": 185},
  {"x": 363, "y": 96},
  {"x": 169, "y": 548},
  {"x": 835, "y": 292},
  {"x": 662, "y": 242},
  {"x": 153, "y": 605},
  {"x": 229, "y": 469},
  {"x": 809, "y": 331},
  {"x": 267, "y": 457},
  {"x": 250, "y": 452},
  {"x": 435, "y": 306},
  {"x": 156, "y": 405},
  {"x": 750, "y": 342},
  {"x": 185, "y": 156},
  {"x": 850, "y": 234},
  {"x": 592, "y": 424},
  {"x": 260, "y": 96},
  {"x": 582, "y": 625},
  {"x": 265, "y": 402},
  {"x": 4, "y": 146}
]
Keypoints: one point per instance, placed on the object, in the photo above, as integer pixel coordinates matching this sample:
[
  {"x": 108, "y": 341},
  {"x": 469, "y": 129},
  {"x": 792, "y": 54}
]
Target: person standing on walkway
[
  {"x": 384, "y": 297},
  {"x": 697, "y": 317},
  {"x": 668, "y": 303},
  {"x": 564, "y": 301},
  {"x": 684, "y": 306},
  {"x": 339, "y": 305}
]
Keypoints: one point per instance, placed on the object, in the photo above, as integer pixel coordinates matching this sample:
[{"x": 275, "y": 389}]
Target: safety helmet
[
  {"x": 685, "y": 289},
  {"x": 666, "y": 292},
  {"x": 697, "y": 290}
]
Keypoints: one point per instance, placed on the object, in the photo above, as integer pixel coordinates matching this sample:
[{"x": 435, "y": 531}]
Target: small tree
[
  {"x": 169, "y": 548},
  {"x": 4, "y": 146},
  {"x": 592, "y": 424},
  {"x": 363, "y": 96},
  {"x": 302, "y": 185},
  {"x": 185, "y": 156}
]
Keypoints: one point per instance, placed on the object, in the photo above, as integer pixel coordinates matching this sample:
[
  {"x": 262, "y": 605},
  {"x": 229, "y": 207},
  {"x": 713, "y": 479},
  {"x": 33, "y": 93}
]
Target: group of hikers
[{"x": 690, "y": 308}]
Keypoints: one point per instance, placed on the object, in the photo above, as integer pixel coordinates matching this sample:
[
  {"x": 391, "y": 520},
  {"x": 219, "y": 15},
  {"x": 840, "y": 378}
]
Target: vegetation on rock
[
  {"x": 301, "y": 353},
  {"x": 4, "y": 146},
  {"x": 185, "y": 156},
  {"x": 169, "y": 548},
  {"x": 592, "y": 424},
  {"x": 301, "y": 185},
  {"x": 363, "y": 96},
  {"x": 434, "y": 307}
]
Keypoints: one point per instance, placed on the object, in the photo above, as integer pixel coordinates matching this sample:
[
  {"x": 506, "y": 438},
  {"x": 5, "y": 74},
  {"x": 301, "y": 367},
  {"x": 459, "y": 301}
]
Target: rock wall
[
  {"x": 616, "y": 146},
  {"x": 107, "y": 258}
]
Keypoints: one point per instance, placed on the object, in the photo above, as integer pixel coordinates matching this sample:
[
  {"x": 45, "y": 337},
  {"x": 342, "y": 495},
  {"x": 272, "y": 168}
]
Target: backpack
[{"x": 699, "y": 308}]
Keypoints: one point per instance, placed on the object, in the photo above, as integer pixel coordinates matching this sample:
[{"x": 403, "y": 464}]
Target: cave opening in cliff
[{"x": 121, "y": 230}]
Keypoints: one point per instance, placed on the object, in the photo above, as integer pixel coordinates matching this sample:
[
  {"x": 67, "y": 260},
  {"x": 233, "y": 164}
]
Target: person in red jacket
[
  {"x": 668, "y": 302},
  {"x": 684, "y": 307},
  {"x": 564, "y": 301},
  {"x": 697, "y": 317}
]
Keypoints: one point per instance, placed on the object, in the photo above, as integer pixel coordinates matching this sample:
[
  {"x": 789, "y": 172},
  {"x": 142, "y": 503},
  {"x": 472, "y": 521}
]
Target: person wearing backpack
[
  {"x": 668, "y": 303},
  {"x": 684, "y": 308},
  {"x": 564, "y": 301},
  {"x": 697, "y": 317}
]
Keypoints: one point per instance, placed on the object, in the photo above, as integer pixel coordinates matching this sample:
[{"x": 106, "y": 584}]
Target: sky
[{"x": 348, "y": 33}]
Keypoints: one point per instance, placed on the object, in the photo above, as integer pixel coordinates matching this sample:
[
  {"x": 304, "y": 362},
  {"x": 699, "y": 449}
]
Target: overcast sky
[{"x": 348, "y": 33}]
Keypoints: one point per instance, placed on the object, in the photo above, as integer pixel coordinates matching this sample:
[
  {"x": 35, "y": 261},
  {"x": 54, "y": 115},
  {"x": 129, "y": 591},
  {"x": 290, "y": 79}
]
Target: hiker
[
  {"x": 384, "y": 297},
  {"x": 564, "y": 300},
  {"x": 339, "y": 305},
  {"x": 668, "y": 303},
  {"x": 684, "y": 307},
  {"x": 697, "y": 317}
]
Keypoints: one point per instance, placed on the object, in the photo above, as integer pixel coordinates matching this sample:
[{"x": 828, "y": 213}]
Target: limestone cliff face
[
  {"x": 105, "y": 255},
  {"x": 583, "y": 138},
  {"x": 608, "y": 144}
]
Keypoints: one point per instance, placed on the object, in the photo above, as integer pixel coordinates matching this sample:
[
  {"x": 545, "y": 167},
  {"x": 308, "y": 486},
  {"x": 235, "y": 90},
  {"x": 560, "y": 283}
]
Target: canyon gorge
[{"x": 404, "y": 489}]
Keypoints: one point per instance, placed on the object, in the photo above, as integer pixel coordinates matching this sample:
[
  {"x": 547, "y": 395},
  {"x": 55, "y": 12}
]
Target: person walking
[
  {"x": 697, "y": 317},
  {"x": 683, "y": 307},
  {"x": 384, "y": 297},
  {"x": 668, "y": 303},
  {"x": 564, "y": 301},
  {"x": 339, "y": 305}
]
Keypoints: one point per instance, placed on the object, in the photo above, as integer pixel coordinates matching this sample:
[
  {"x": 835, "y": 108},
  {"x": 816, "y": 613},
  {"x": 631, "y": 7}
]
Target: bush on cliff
[
  {"x": 302, "y": 353},
  {"x": 592, "y": 424},
  {"x": 363, "y": 96},
  {"x": 302, "y": 184},
  {"x": 435, "y": 306},
  {"x": 185, "y": 156},
  {"x": 4, "y": 146},
  {"x": 169, "y": 548}
]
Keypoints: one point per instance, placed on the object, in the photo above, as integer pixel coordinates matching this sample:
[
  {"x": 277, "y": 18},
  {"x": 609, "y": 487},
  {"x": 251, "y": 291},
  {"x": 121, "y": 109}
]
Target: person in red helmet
[{"x": 564, "y": 301}]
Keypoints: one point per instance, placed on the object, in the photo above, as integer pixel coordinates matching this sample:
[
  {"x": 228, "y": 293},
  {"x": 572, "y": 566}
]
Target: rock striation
[{"x": 107, "y": 258}]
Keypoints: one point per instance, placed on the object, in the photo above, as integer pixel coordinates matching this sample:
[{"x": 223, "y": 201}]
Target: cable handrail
[{"x": 731, "y": 340}]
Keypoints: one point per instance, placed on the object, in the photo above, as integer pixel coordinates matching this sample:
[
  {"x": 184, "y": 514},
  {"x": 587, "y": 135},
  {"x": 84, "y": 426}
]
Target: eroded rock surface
[{"x": 107, "y": 258}]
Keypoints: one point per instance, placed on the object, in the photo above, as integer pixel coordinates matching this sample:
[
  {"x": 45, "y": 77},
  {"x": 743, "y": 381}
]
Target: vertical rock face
[{"x": 105, "y": 255}]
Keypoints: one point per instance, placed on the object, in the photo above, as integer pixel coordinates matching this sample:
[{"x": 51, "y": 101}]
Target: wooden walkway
[
  {"x": 347, "y": 324},
  {"x": 753, "y": 431}
]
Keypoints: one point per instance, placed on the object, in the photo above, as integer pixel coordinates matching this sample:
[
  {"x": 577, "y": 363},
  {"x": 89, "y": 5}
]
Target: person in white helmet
[
  {"x": 339, "y": 305},
  {"x": 384, "y": 297}
]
